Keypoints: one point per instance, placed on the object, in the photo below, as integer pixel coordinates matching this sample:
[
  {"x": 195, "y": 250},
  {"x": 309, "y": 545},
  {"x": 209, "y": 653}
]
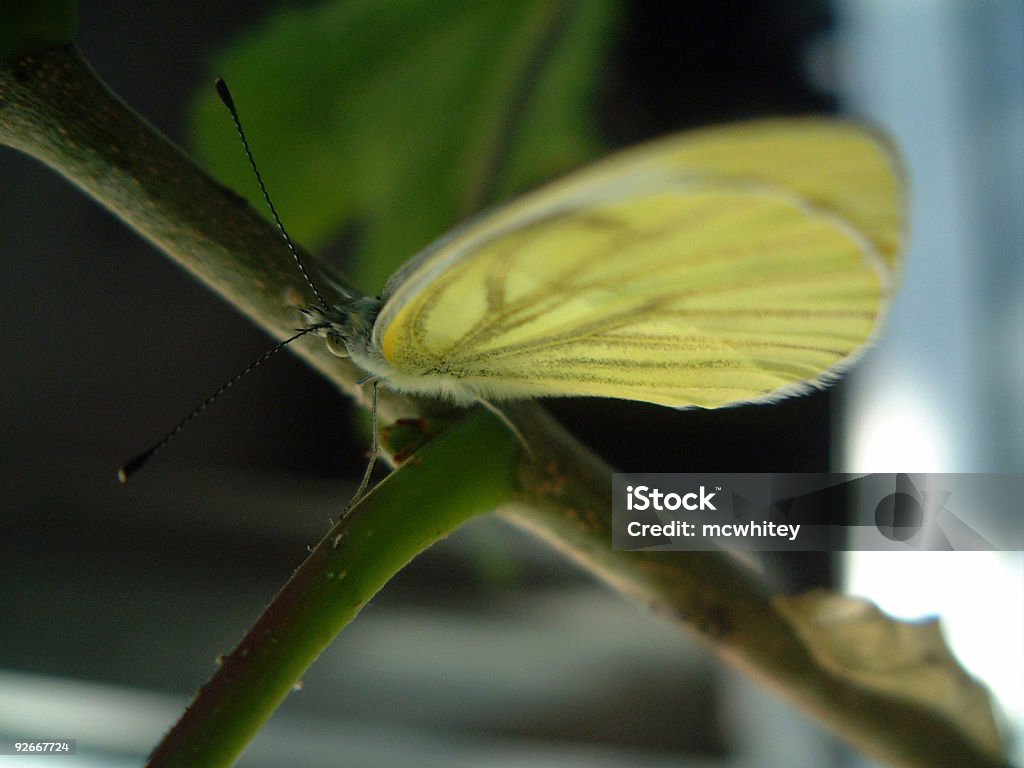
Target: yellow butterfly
[{"x": 734, "y": 264}]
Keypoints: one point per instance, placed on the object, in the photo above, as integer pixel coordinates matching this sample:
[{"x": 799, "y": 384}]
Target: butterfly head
[{"x": 347, "y": 326}]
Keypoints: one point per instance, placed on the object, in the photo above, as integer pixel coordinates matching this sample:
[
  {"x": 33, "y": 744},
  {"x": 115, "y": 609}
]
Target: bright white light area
[
  {"x": 899, "y": 430},
  {"x": 942, "y": 392}
]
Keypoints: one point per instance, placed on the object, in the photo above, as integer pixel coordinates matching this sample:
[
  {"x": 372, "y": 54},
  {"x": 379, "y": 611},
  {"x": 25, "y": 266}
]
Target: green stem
[
  {"x": 52, "y": 106},
  {"x": 418, "y": 504}
]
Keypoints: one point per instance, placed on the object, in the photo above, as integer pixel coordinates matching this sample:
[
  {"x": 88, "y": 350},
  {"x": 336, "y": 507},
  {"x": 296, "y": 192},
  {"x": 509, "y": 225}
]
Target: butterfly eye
[{"x": 336, "y": 346}]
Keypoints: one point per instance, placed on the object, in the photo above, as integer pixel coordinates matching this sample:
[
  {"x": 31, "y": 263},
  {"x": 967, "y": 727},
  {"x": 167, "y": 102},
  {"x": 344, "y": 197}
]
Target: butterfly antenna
[
  {"x": 133, "y": 466},
  {"x": 225, "y": 96}
]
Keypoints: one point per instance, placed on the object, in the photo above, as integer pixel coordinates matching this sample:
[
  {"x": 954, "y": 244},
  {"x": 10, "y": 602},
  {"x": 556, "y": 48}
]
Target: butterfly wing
[{"x": 727, "y": 265}]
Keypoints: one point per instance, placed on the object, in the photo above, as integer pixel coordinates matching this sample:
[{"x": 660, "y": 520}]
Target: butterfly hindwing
[{"x": 701, "y": 270}]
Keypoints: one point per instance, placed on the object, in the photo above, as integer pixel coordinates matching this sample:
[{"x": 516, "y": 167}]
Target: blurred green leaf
[
  {"x": 403, "y": 118},
  {"x": 35, "y": 26}
]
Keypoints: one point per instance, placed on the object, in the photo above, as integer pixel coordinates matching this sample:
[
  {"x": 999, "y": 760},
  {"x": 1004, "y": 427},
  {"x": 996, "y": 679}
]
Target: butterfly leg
[
  {"x": 374, "y": 448},
  {"x": 503, "y": 417}
]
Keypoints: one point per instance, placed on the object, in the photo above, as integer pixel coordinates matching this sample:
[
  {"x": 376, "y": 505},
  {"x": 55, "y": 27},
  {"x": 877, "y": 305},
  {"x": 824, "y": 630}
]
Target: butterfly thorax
[{"x": 348, "y": 330}]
